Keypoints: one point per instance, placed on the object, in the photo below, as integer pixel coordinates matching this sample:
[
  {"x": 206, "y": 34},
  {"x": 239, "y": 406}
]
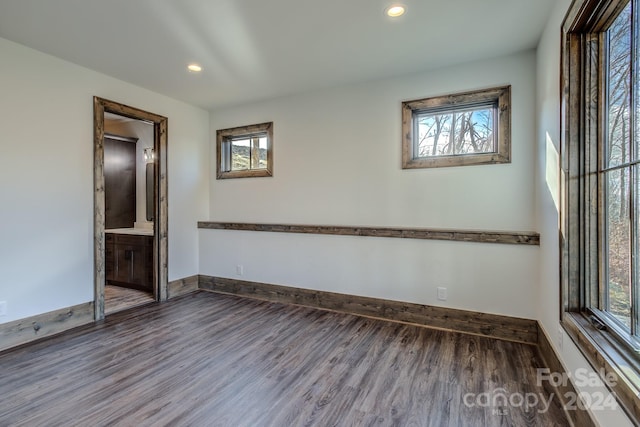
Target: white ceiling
[{"x": 257, "y": 49}]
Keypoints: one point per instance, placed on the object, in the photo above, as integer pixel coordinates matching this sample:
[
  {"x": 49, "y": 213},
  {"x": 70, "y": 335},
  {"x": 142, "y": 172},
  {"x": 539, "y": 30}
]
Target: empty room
[{"x": 290, "y": 213}]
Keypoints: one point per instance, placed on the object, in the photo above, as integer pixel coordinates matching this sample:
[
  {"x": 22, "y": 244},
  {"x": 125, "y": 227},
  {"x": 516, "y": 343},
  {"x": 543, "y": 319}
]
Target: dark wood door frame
[{"x": 160, "y": 241}]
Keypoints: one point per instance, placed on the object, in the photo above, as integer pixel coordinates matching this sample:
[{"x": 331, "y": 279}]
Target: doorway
[
  {"x": 129, "y": 252},
  {"x": 128, "y": 162}
]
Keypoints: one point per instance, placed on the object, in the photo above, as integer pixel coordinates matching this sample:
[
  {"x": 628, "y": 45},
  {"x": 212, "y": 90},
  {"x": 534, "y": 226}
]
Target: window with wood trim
[
  {"x": 245, "y": 152},
  {"x": 600, "y": 153},
  {"x": 455, "y": 130}
]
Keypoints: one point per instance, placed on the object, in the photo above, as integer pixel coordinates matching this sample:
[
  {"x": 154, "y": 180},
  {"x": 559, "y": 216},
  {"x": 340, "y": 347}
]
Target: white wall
[
  {"x": 46, "y": 178},
  {"x": 547, "y": 197},
  {"x": 338, "y": 162}
]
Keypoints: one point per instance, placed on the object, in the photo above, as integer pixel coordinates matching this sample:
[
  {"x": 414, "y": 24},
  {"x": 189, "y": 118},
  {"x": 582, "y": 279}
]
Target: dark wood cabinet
[
  {"x": 119, "y": 181},
  {"x": 129, "y": 261}
]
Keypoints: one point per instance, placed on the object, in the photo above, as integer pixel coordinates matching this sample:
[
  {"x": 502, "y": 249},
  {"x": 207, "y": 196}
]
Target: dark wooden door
[{"x": 119, "y": 182}]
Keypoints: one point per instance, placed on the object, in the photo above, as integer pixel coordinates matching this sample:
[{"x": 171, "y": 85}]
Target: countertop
[{"x": 134, "y": 231}]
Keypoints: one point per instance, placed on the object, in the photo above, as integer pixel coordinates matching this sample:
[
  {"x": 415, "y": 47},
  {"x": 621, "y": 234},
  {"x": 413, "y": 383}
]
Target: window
[
  {"x": 463, "y": 129},
  {"x": 245, "y": 152},
  {"x": 618, "y": 176},
  {"x": 600, "y": 215}
]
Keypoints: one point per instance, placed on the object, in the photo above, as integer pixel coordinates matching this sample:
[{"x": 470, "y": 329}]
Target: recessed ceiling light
[
  {"x": 194, "y": 67},
  {"x": 395, "y": 11}
]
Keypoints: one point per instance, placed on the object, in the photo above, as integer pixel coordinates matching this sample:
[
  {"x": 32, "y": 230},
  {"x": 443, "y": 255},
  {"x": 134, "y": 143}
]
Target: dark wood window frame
[
  {"x": 225, "y": 137},
  {"x": 581, "y": 214},
  {"x": 498, "y": 98}
]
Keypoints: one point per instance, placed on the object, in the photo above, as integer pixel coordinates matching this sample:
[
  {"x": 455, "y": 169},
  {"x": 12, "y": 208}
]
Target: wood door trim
[{"x": 160, "y": 249}]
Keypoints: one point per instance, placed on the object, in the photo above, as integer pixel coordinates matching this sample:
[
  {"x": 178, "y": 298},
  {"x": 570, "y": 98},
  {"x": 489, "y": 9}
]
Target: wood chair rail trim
[{"x": 479, "y": 236}]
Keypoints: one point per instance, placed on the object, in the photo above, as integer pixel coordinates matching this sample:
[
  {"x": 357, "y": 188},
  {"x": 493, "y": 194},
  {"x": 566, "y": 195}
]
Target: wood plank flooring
[
  {"x": 208, "y": 359},
  {"x": 117, "y": 298}
]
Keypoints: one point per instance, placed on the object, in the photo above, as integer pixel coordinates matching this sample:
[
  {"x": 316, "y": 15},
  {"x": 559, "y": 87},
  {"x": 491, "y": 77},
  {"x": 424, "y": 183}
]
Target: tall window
[
  {"x": 619, "y": 175},
  {"x": 601, "y": 174}
]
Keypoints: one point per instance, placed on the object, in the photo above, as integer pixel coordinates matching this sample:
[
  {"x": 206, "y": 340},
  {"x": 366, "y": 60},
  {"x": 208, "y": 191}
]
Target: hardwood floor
[
  {"x": 117, "y": 298},
  {"x": 208, "y": 359}
]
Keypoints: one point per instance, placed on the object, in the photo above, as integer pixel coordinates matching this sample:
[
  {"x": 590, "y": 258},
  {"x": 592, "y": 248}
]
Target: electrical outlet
[
  {"x": 560, "y": 335},
  {"x": 442, "y": 294},
  {"x": 239, "y": 270},
  {"x": 3, "y": 308}
]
